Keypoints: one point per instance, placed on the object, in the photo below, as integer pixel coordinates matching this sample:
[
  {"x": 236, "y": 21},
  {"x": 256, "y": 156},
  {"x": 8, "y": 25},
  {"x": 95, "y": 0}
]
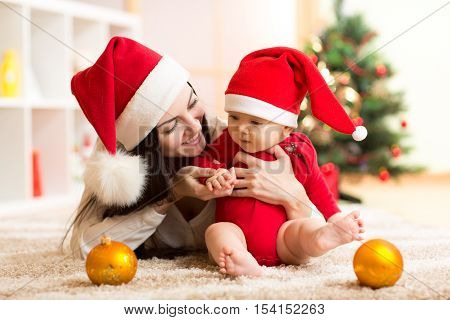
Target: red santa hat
[
  {"x": 271, "y": 84},
  {"x": 124, "y": 95}
]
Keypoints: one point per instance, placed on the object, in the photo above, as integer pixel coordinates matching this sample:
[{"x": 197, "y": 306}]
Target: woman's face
[{"x": 180, "y": 130}]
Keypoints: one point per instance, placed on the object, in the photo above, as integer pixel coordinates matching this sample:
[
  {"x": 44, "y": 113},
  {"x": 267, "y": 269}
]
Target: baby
[{"x": 262, "y": 101}]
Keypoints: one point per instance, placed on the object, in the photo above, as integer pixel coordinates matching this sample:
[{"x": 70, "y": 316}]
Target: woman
[{"x": 138, "y": 189}]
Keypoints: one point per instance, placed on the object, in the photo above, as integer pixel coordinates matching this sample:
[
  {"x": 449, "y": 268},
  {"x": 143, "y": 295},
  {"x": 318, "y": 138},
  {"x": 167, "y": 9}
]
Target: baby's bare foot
[
  {"x": 237, "y": 263},
  {"x": 340, "y": 231}
]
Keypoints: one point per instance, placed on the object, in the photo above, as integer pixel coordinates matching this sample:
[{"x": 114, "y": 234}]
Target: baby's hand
[{"x": 222, "y": 179}]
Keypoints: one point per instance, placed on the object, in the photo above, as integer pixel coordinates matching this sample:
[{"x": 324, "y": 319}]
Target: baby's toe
[
  {"x": 227, "y": 250},
  {"x": 229, "y": 264}
]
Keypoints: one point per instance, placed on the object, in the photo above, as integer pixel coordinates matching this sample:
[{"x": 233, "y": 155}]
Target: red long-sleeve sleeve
[{"x": 315, "y": 184}]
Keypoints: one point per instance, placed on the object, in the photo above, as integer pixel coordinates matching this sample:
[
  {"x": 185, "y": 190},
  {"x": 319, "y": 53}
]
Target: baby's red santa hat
[
  {"x": 124, "y": 95},
  {"x": 271, "y": 84}
]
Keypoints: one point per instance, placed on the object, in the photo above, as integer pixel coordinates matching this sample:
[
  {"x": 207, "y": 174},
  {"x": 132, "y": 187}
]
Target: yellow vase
[{"x": 9, "y": 75}]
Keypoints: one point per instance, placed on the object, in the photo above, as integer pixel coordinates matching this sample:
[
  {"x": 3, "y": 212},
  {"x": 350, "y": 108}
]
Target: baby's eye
[
  {"x": 233, "y": 117},
  {"x": 255, "y": 122}
]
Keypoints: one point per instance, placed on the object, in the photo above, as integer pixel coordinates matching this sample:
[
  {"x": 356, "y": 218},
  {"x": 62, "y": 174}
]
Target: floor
[
  {"x": 422, "y": 198},
  {"x": 32, "y": 267}
]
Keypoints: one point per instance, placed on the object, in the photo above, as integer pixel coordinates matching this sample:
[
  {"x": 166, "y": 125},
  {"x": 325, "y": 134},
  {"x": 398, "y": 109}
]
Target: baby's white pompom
[
  {"x": 116, "y": 180},
  {"x": 360, "y": 133}
]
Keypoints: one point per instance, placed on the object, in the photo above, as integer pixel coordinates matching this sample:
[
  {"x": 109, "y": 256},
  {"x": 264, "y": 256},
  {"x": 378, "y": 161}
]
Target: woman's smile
[{"x": 193, "y": 141}]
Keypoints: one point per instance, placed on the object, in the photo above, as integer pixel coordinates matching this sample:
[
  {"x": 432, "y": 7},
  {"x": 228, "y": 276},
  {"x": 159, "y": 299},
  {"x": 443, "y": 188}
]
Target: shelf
[
  {"x": 12, "y": 103},
  {"x": 14, "y": 158},
  {"x": 53, "y": 39},
  {"x": 21, "y": 103},
  {"x": 49, "y": 56},
  {"x": 118, "y": 30},
  {"x": 11, "y": 24},
  {"x": 12, "y": 38},
  {"x": 90, "y": 38},
  {"x": 82, "y": 127},
  {"x": 51, "y": 104},
  {"x": 82, "y": 10},
  {"x": 83, "y": 141},
  {"x": 49, "y": 137}
]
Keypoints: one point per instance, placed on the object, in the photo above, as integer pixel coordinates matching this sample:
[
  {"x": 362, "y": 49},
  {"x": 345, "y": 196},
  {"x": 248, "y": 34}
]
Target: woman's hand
[
  {"x": 272, "y": 182},
  {"x": 186, "y": 184}
]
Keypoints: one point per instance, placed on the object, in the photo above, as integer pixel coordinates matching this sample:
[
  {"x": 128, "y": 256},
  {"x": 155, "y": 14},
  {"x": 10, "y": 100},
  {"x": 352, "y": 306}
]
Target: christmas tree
[{"x": 358, "y": 78}]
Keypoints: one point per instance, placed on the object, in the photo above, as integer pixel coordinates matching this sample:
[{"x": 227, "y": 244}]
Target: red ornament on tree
[
  {"x": 404, "y": 124},
  {"x": 354, "y": 67},
  {"x": 314, "y": 58},
  {"x": 396, "y": 151},
  {"x": 380, "y": 70},
  {"x": 384, "y": 175}
]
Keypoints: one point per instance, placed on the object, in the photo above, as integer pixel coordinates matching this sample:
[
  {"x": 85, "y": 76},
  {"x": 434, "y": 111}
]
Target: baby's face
[{"x": 254, "y": 134}]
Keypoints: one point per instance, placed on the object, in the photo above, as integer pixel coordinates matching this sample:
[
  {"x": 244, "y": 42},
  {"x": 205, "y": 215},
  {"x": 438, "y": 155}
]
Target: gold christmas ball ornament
[
  {"x": 316, "y": 44},
  {"x": 308, "y": 123},
  {"x": 111, "y": 262},
  {"x": 378, "y": 263},
  {"x": 348, "y": 95},
  {"x": 344, "y": 78},
  {"x": 304, "y": 105}
]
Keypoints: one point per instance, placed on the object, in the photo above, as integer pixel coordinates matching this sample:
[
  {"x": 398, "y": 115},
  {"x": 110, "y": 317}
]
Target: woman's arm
[
  {"x": 132, "y": 229},
  {"x": 273, "y": 182}
]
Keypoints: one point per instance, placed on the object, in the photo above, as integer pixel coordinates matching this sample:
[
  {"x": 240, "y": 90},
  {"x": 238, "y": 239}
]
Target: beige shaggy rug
[{"x": 32, "y": 268}]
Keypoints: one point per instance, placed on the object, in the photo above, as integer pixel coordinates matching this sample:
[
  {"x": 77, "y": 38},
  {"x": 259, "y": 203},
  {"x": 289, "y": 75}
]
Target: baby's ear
[{"x": 287, "y": 130}]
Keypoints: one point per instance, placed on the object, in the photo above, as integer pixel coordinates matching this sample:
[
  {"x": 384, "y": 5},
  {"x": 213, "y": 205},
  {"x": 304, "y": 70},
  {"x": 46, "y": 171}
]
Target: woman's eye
[
  {"x": 170, "y": 130},
  {"x": 193, "y": 104}
]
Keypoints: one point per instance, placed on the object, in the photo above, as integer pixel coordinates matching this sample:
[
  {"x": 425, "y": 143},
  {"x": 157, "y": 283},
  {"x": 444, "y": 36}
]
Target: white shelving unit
[{"x": 53, "y": 39}]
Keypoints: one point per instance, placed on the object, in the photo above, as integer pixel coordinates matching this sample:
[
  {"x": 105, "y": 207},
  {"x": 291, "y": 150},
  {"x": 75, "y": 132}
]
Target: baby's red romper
[{"x": 260, "y": 221}]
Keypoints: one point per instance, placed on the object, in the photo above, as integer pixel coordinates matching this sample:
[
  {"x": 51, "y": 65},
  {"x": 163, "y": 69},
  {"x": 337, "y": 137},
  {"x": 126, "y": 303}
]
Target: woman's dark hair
[{"x": 160, "y": 170}]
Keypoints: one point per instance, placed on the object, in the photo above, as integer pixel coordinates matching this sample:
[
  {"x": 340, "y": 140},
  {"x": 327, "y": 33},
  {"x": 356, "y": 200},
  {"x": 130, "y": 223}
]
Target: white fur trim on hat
[
  {"x": 360, "y": 133},
  {"x": 116, "y": 180},
  {"x": 150, "y": 102},
  {"x": 260, "y": 109}
]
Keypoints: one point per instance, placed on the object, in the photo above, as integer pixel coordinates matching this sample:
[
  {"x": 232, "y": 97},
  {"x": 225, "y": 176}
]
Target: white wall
[
  {"x": 210, "y": 37},
  {"x": 421, "y": 59}
]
